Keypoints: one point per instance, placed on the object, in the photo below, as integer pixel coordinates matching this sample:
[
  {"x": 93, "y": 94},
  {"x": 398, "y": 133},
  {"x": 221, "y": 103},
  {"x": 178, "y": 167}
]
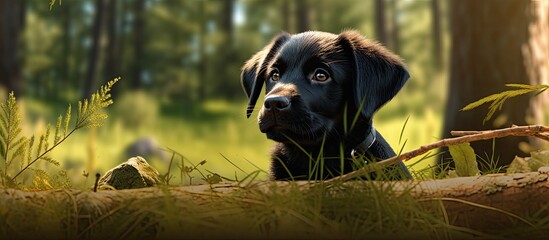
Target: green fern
[
  {"x": 28, "y": 151},
  {"x": 499, "y": 99}
]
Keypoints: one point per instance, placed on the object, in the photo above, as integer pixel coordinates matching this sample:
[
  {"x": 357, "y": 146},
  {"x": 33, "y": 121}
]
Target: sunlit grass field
[{"x": 216, "y": 131}]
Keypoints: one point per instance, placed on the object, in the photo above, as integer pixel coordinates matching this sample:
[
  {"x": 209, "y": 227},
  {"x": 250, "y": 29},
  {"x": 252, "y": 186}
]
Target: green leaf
[
  {"x": 499, "y": 99},
  {"x": 526, "y": 86},
  {"x": 464, "y": 159}
]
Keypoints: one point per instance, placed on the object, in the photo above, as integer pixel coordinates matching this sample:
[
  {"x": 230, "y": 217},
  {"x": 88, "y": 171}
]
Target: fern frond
[
  {"x": 19, "y": 152},
  {"x": 89, "y": 111},
  {"x": 67, "y": 121},
  {"x": 2, "y": 146},
  {"x": 29, "y": 149},
  {"x": 40, "y": 145},
  {"x": 10, "y": 130},
  {"x": 57, "y": 136},
  {"x": 497, "y": 100},
  {"x": 19, "y": 143},
  {"x": 47, "y": 136},
  {"x": 88, "y": 115},
  {"x": 62, "y": 180},
  {"x": 41, "y": 179},
  {"x": 3, "y": 122},
  {"x": 50, "y": 160}
]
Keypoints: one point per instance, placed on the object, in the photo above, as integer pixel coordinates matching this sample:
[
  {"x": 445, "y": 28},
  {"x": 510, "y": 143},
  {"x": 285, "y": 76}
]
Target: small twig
[
  {"x": 542, "y": 136},
  {"x": 464, "y": 137},
  {"x": 97, "y": 175},
  {"x": 465, "y": 133}
]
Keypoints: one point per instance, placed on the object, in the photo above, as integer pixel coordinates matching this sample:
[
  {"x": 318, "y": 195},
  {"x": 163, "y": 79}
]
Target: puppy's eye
[
  {"x": 275, "y": 75},
  {"x": 321, "y": 75}
]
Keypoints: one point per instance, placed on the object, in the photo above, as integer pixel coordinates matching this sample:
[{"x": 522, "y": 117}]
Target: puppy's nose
[{"x": 277, "y": 102}]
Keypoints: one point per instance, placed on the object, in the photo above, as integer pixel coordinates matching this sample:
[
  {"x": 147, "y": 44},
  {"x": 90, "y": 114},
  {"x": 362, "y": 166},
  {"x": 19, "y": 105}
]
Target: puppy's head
[{"x": 310, "y": 77}]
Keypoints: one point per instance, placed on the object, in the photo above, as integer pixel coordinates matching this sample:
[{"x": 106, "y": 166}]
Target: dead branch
[{"x": 464, "y": 137}]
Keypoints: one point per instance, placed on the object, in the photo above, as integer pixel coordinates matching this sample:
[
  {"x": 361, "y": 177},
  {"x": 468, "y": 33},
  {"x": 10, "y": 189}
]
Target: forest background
[{"x": 180, "y": 66}]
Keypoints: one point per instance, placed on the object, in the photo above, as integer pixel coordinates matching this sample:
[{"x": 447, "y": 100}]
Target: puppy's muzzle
[{"x": 277, "y": 103}]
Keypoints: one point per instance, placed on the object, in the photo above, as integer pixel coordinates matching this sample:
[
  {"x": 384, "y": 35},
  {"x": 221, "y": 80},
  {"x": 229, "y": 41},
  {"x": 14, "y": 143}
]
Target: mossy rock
[{"x": 134, "y": 173}]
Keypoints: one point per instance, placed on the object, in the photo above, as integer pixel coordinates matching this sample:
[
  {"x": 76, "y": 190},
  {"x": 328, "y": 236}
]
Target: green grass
[
  {"x": 322, "y": 211},
  {"x": 262, "y": 210},
  {"x": 216, "y": 131}
]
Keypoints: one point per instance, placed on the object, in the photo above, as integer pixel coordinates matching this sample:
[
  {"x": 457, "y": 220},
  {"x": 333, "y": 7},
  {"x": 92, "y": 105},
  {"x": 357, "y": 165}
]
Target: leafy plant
[
  {"x": 465, "y": 160},
  {"x": 499, "y": 99},
  {"x": 15, "y": 148}
]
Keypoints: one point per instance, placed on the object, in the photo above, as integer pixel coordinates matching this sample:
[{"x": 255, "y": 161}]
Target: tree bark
[
  {"x": 488, "y": 50},
  {"x": 487, "y": 202},
  {"x": 12, "y": 14}
]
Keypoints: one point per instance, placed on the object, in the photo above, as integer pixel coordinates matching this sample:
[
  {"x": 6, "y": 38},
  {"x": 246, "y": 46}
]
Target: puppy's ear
[
  {"x": 378, "y": 73},
  {"x": 254, "y": 70}
]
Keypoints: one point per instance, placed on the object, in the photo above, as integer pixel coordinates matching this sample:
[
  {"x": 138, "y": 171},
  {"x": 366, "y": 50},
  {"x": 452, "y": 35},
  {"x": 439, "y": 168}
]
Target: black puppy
[{"x": 322, "y": 90}]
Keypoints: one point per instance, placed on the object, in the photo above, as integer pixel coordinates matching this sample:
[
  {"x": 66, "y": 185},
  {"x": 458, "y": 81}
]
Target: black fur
[{"x": 316, "y": 83}]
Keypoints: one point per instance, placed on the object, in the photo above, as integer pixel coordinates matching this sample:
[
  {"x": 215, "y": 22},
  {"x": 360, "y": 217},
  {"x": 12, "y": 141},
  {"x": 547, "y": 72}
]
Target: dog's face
[{"x": 310, "y": 79}]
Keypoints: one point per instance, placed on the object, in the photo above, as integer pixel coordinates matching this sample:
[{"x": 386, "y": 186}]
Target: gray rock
[
  {"x": 134, "y": 173},
  {"x": 146, "y": 147}
]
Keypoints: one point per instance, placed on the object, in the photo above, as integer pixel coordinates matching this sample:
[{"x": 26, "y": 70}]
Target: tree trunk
[
  {"x": 303, "y": 16},
  {"x": 12, "y": 14},
  {"x": 536, "y": 54},
  {"x": 202, "y": 51},
  {"x": 286, "y": 9},
  {"x": 395, "y": 28},
  {"x": 490, "y": 49},
  {"x": 437, "y": 38},
  {"x": 111, "y": 68},
  {"x": 380, "y": 21},
  {"x": 227, "y": 21},
  {"x": 65, "y": 83},
  {"x": 95, "y": 48},
  {"x": 138, "y": 43}
]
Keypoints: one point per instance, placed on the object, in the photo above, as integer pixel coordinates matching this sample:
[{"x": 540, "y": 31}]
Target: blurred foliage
[
  {"x": 190, "y": 52},
  {"x": 188, "y": 94},
  {"x": 136, "y": 109},
  {"x": 533, "y": 163}
]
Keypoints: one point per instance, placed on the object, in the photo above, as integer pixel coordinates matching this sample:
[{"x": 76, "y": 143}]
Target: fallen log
[{"x": 483, "y": 204}]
